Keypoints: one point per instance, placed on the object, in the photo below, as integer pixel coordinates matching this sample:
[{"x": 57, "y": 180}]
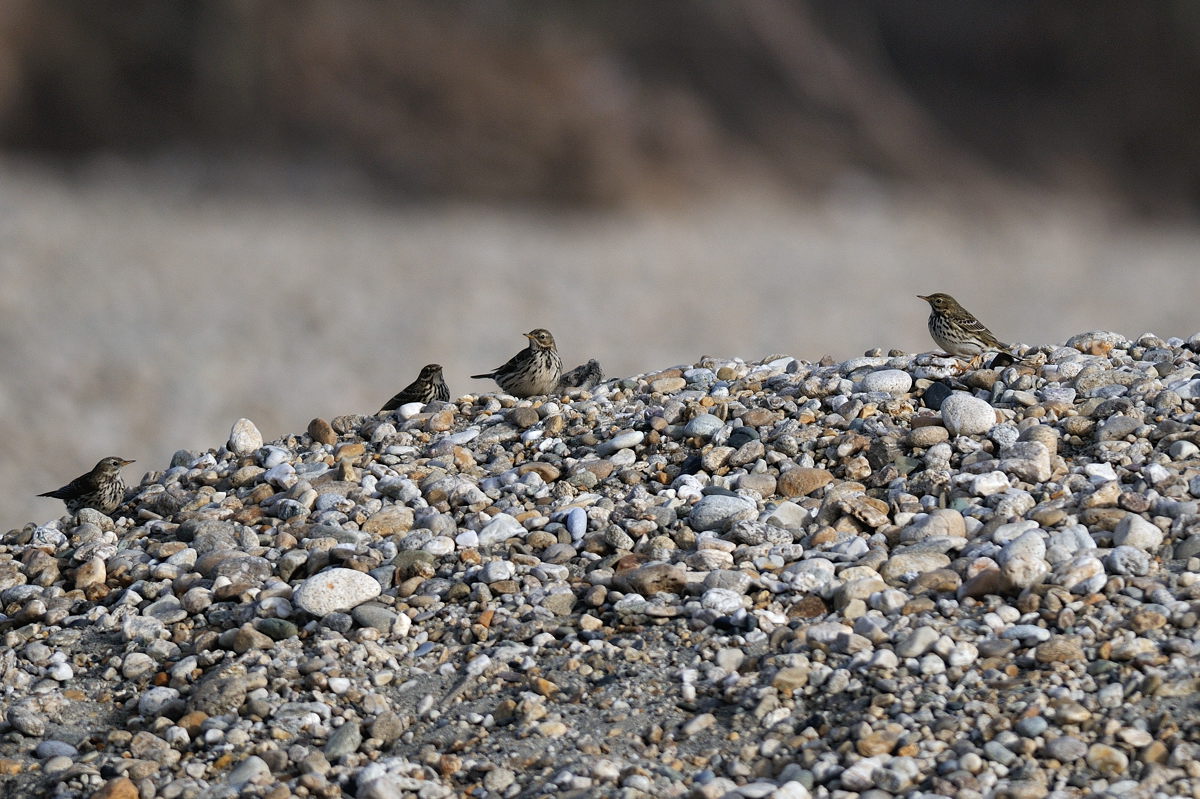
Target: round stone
[
  {"x": 244, "y": 438},
  {"x": 890, "y": 381},
  {"x": 967, "y": 415},
  {"x": 335, "y": 590},
  {"x": 703, "y": 425}
]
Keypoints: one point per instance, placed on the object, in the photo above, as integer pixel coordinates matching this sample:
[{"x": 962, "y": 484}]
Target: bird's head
[
  {"x": 112, "y": 464},
  {"x": 541, "y": 338},
  {"x": 941, "y": 302}
]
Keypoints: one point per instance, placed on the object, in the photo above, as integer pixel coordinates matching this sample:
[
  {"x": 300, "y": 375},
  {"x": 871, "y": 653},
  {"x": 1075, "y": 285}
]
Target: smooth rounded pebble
[
  {"x": 335, "y": 590},
  {"x": 891, "y": 381},
  {"x": 244, "y": 438},
  {"x": 719, "y": 511},
  {"x": 966, "y": 415}
]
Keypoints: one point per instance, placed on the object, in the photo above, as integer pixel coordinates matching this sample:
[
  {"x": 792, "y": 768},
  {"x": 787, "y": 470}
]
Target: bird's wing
[
  {"x": 979, "y": 329},
  {"x": 80, "y": 485}
]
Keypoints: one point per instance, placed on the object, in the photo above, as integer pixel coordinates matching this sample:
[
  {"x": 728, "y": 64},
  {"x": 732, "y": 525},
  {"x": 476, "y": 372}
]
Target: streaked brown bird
[
  {"x": 102, "y": 488},
  {"x": 586, "y": 376},
  {"x": 957, "y": 331},
  {"x": 428, "y": 386},
  {"x": 532, "y": 371}
]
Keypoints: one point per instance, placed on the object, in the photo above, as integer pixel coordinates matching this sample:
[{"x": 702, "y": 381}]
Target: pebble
[
  {"x": 1023, "y": 560},
  {"x": 802, "y": 481},
  {"x": 335, "y": 590},
  {"x": 244, "y": 438},
  {"x": 917, "y": 642},
  {"x": 889, "y": 381},
  {"x": 1134, "y": 531},
  {"x": 966, "y": 415},
  {"x": 703, "y": 425},
  {"x": 719, "y": 512},
  {"x": 1066, "y": 748}
]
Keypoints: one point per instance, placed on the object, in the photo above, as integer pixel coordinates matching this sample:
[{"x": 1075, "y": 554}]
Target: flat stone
[
  {"x": 501, "y": 528},
  {"x": 389, "y": 520},
  {"x": 802, "y": 481},
  {"x": 927, "y": 435},
  {"x": 654, "y": 578},
  {"x": 718, "y": 512},
  {"x": 1059, "y": 649},
  {"x": 901, "y": 568}
]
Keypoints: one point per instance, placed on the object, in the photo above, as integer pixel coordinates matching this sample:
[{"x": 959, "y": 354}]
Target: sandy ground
[{"x": 141, "y": 313}]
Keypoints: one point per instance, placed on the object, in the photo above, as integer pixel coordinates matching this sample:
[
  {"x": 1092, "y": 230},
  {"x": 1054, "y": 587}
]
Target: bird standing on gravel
[
  {"x": 102, "y": 488},
  {"x": 428, "y": 386},
  {"x": 532, "y": 371},
  {"x": 957, "y": 331}
]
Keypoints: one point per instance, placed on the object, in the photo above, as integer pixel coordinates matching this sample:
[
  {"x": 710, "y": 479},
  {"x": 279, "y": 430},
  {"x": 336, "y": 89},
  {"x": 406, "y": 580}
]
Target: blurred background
[{"x": 282, "y": 209}]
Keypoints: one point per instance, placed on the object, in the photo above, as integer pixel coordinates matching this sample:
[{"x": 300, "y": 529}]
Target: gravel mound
[{"x": 725, "y": 579}]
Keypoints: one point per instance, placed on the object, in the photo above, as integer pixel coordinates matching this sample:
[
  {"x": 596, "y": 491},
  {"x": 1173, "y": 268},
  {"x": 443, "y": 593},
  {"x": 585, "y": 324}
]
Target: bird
[
  {"x": 957, "y": 331},
  {"x": 532, "y": 371},
  {"x": 428, "y": 386},
  {"x": 585, "y": 376},
  {"x": 102, "y": 488}
]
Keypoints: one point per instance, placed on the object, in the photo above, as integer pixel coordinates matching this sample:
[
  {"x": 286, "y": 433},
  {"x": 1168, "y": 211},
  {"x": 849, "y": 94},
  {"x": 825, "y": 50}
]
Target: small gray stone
[
  {"x": 48, "y": 749},
  {"x": 344, "y": 740},
  {"x": 1031, "y": 726},
  {"x": 703, "y": 425},
  {"x": 576, "y": 523},
  {"x": 789, "y": 515},
  {"x": 26, "y": 719},
  {"x": 967, "y": 415},
  {"x": 623, "y": 440},
  {"x": 999, "y": 753},
  {"x": 917, "y": 642},
  {"x": 1065, "y": 748},
  {"x": 718, "y": 512},
  {"x": 1027, "y": 460},
  {"x": 250, "y": 768},
  {"x": 1129, "y": 560},
  {"x": 501, "y": 528},
  {"x": 1134, "y": 531},
  {"x": 388, "y": 726},
  {"x": 1117, "y": 427},
  {"x": 496, "y": 570},
  {"x": 370, "y": 614},
  {"x": 168, "y": 610},
  {"x": 160, "y": 701}
]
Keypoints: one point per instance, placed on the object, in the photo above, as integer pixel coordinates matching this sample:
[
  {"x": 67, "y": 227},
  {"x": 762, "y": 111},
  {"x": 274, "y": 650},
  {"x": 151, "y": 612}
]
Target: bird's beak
[
  {"x": 922, "y": 297},
  {"x": 126, "y": 463},
  {"x": 529, "y": 336}
]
